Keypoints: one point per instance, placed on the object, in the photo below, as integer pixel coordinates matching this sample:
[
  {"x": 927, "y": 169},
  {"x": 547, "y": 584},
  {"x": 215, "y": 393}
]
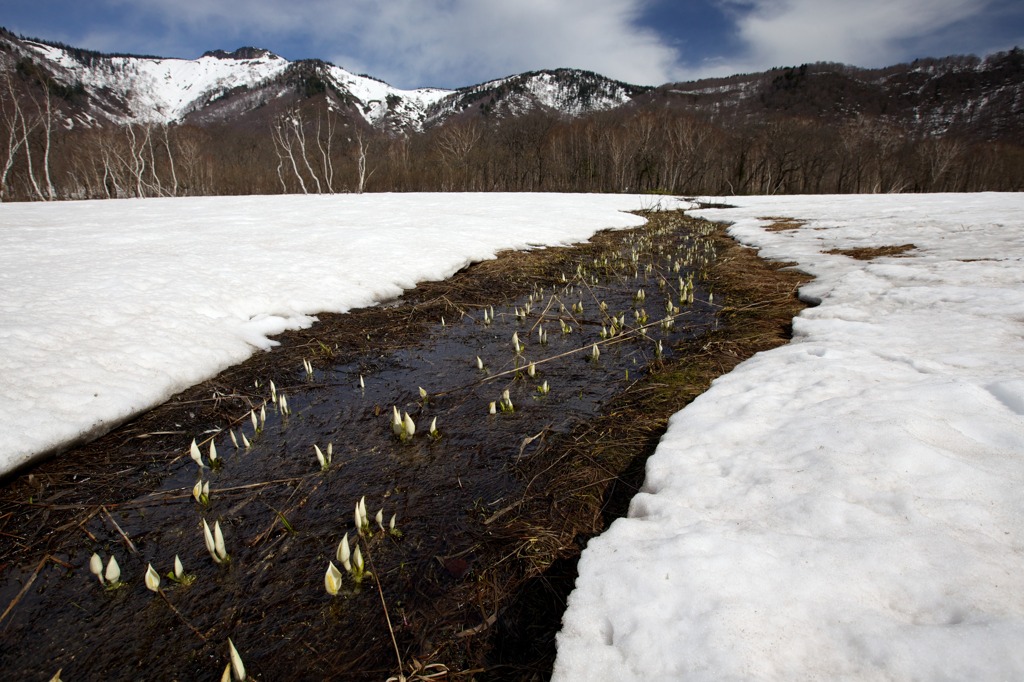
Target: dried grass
[
  {"x": 781, "y": 224},
  {"x": 872, "y": 252}
]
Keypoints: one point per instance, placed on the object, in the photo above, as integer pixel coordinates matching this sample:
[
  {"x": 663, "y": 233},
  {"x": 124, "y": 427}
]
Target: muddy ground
[{"x": 491, "y": 511}]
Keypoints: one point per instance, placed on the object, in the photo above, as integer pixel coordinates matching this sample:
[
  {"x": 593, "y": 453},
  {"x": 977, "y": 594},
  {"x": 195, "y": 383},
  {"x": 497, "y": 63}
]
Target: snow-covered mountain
[
  {"x": 217, "y": 85},
  {"x": 567, "y": 91},
  {"x": 151, "y": 90},
  {"x": 229, "y": 86},
  {"x": 982, "y": 98}
]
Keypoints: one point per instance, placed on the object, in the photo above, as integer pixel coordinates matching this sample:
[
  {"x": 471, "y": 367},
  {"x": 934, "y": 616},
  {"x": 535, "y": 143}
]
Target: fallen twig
[
  {"x": 28, "y": 584},
  {"x": 127, "y": 540}
]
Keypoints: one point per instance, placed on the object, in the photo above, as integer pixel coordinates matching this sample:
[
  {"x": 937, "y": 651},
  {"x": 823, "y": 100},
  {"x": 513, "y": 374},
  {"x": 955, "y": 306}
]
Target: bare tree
[
  {"x": 325, "y": 144},
  {"x": 300, "y": 135},
  {"x": 12, "y": 118},
  {"x": 362, "y": 148},
  {"x": 289, "y": 135},
  {"x": 284, "y": 145},
  {"x": 195, "y": 164},
  {"x": 455, "y": 142},
  {"x": 47, "y": 117},
  {"x": 170, "y": 161}
]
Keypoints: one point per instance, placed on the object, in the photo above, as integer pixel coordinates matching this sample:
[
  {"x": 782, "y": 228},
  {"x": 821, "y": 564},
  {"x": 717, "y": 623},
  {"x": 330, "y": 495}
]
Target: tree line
[{"x": 314, "y": 149}]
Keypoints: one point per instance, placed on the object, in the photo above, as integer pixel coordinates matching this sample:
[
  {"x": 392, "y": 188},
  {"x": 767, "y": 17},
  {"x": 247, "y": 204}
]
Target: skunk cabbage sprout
[
  {"x": 215, "y": 543},
  {"x": 344, "y": 554},
  {"x": 236, "y": 661},
  {"x": 197, "y": 457},
  {"x": 325, "y": 460},
  {"x": 152, "y": 579},
  {"x": 96, "y": 566},
  {"x": 113, "y": 572},
  {"x": 396, "y": 422},
  {"x": 332, "y": 579},
  {"x": 408, "y": 427}
]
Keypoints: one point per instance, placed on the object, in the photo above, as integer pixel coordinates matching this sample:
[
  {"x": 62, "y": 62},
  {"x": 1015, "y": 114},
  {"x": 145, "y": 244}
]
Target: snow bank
[
  {"x": 847, "y": 506},
  {"x": 107, "y": 308}
]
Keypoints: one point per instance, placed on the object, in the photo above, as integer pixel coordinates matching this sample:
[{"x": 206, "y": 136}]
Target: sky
[{"x": 454, "y": 43}]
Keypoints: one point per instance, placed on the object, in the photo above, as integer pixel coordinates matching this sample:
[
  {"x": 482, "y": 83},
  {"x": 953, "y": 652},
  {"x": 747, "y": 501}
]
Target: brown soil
[
  {"x": 872, "y": 252},
  {"x": 484, "y": 607},
  {"x": 782, "y": 224}
]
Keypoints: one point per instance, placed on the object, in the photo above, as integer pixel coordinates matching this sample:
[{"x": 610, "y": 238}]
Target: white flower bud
[
  {"x": 113, "y": 573},
  {"x": 197, "y": 456},
  {"x": 236, "y": 661},
  {"x": 332, "y": 579},
  {"x": 96, "y": 566},
  {"x": 152, "y": 579}
]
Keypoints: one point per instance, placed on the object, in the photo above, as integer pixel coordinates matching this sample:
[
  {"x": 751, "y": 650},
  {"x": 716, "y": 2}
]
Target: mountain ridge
[
  {"x": 148, "y": 89},
  {"x": 984, "y": 97},
  {"x": 79, "y": 124}
]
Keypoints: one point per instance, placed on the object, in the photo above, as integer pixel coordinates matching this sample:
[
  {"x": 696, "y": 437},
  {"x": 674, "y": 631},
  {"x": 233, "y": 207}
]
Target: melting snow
[{"x": 847, "y": 506}]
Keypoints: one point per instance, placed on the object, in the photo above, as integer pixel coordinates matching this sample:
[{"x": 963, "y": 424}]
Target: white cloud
[
  {"x": 444, "y": 42},
  {"x": 864, "y": 33},
  {"x": 451, "y": 43}
]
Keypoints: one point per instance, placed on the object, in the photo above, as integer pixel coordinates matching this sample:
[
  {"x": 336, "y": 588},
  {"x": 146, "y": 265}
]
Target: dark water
[{"x": 282, "y": 517}]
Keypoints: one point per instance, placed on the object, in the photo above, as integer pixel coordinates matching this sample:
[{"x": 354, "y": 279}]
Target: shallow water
[{"x": 283, "y": 517}]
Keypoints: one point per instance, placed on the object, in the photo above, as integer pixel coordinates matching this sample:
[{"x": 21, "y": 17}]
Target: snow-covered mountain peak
[
  {"x": 139, "y": 89},
  {"x": 380, "y": 100},
  {"x": 160, "y": 90},
  {"x": 222, "y": 86},
  {"x": 572, "y": 92},
  {"x": 242, "y": 53}
]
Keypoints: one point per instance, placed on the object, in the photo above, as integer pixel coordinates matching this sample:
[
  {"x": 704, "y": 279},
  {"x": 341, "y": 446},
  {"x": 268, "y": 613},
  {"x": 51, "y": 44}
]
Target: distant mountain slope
[
  {"x": 80, "y": 124},
  {"x": 567, "y": 91},
  {"x": 217, "y": 86},
  {"x": 967, "y": 95},
  {"x": 222, "y": 86},
  {"x": 983, "y": 98},
  {"x": 151, "y": 90}
]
